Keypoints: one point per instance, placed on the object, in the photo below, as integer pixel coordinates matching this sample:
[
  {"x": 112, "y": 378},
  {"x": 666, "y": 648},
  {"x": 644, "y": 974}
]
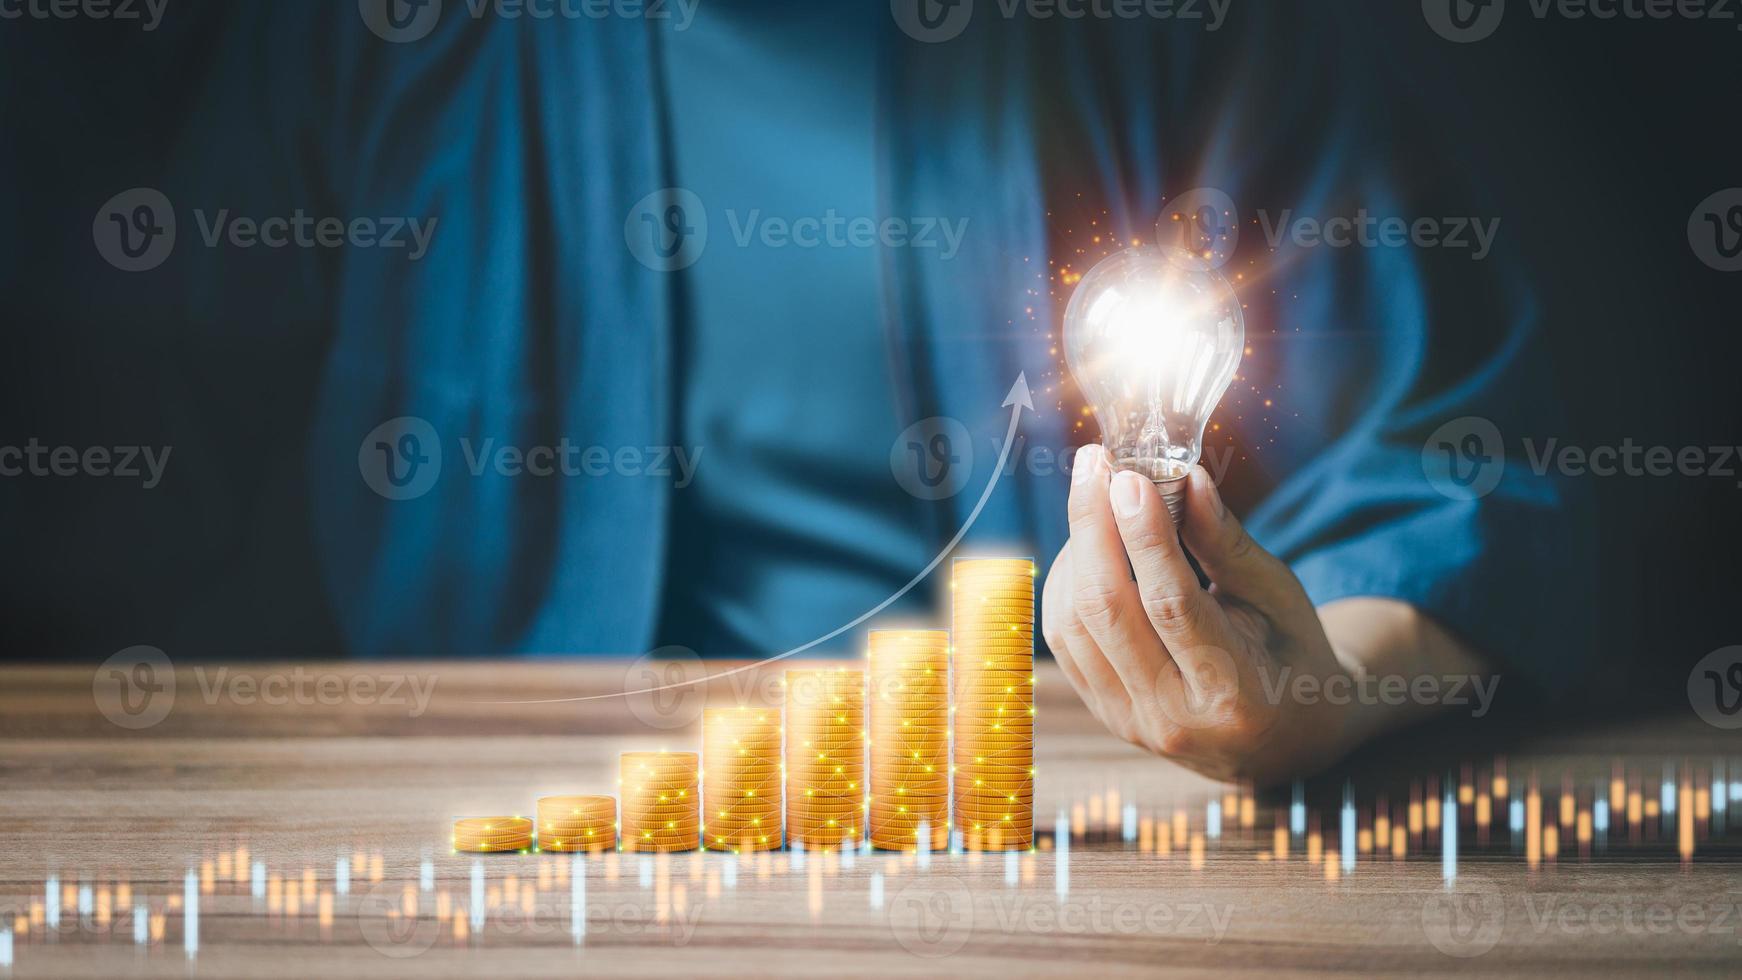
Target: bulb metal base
[{"x": 1173, "y": 494}]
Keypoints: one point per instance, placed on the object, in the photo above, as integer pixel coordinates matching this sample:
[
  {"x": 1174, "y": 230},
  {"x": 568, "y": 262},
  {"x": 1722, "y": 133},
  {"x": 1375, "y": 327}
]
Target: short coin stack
[
  {"x": 825, "y": 757},
  {"x": 661, "y": 796},
  {"x": 741, "y": 779},
  {"x": 992, "y": 627},
  {"x": 910, "y": 738},
  {"x": 577, "y": 823},
  {"x": 488, "y": 834}
]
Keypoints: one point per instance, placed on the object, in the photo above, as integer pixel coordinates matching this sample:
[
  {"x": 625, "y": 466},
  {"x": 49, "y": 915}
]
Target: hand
[{"x": 1173, "y": 667}]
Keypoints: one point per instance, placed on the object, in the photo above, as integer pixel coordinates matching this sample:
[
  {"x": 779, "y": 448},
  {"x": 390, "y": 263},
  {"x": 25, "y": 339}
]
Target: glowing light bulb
[{"x": 1153, "y": 336}]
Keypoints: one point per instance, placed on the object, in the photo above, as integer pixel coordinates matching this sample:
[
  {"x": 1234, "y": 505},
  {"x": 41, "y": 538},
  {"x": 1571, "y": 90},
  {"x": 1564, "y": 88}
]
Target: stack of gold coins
[
  {"x": 910, "y": 738},
  {"x": 741, "y": 779},
  {"x": 992, "y": 627},
  {"x": 577, "y": 823},
  {"x": 825, "y": 757},
  {"x": 484, "y": 834},
  {"x": 661, "y": 808}
]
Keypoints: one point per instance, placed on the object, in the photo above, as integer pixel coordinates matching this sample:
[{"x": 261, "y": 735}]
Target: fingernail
[{"x": 1127, "y": 493}]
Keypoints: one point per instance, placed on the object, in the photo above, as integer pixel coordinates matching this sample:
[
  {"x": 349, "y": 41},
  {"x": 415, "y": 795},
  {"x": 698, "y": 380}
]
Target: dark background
[{"x": 1592, "y": 140}]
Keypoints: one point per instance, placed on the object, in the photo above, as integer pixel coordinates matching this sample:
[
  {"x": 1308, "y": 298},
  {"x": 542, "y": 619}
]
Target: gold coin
[
  {"x": 492, "y": 848},
  {"x": 494, "y": 843},
  {"x": 824, "y": 804},
  {"x": 1017, "y": 563},
  {"x": 602, "y": 830},
  {"x": 739, "y": 847},
  {"x": 906, "y": 794},
  {"x": 981, "y": 806},
  {"x": 679, "y": 836},
  {"x": 1001, "y": 733},
  {"x": 659, "y": 760},
  {"x": 891, "y": 774},
  {"x": 971, "y": 763}
]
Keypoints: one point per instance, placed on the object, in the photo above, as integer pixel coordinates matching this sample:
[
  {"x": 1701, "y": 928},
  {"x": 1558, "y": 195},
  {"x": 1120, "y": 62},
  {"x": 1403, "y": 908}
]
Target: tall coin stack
[
  {"x": 661, "y": 801},
  {"x": 577, "y": 823},
  {"x": 910, "y": 738},
  {"x": 992, "y": 627},
  {"x": 741, "y": 779},
  {"x": 825, "y": 758}
]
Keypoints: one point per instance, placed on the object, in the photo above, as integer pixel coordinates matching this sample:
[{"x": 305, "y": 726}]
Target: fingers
[
  {"x": 1176, "y": 605},
  {"x": 1055, "y": 612},
  {"x": 1079, "y": 657},
  {"x": 1229, "y": 556},
  {"x": 1104, "y": 597}
]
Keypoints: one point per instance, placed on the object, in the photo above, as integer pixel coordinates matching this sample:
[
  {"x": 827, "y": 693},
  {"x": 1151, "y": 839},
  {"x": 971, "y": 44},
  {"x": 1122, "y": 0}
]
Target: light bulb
[{"x": 1153, "y": 336}]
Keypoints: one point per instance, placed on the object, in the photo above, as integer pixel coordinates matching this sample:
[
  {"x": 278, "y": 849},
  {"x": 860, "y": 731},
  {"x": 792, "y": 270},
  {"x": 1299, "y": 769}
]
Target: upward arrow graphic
[{"x": 1016, "y": 400}]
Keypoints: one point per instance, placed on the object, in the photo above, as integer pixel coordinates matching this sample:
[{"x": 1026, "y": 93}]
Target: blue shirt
[
  {"x": 530, "y": 321},
  {"x": 784, "y": 379}
]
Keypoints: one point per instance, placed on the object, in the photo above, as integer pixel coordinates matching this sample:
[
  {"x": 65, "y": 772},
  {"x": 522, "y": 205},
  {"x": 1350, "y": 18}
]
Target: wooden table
[{"x": 341, "y": 771}]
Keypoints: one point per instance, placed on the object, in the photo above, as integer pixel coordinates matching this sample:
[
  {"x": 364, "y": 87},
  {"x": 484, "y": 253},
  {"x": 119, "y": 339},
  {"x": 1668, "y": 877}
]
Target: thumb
[{"x": 1234, "y": 562}]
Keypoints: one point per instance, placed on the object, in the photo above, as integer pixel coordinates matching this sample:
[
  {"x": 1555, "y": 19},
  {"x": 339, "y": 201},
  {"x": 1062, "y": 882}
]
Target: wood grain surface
[{"x": 327, "y": 776}]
